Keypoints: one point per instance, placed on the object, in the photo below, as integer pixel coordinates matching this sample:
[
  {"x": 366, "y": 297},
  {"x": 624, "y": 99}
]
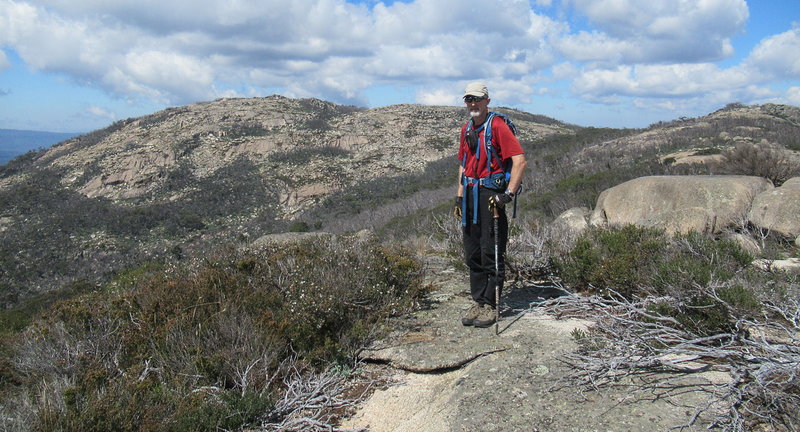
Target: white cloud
[
  {"x": 564, "y": 70},
  {"x": 677, "y": 80},
  {"x": 793, "y": 95},
  {"x": 172, "y": 72},
  {"x": 666, "y": 18},
  {"x": 429, "y": 61},
  {"x": 586, "y": 46},
  {"x": 101, "y": 113},
  {"x": 674, "y": 31},
  {"x": 755, "y": 92},
  {"x": 778, "y": 56},
  {"x": 773, "y": 57},
  {"x": 4, "y": 63},
  {"x": 512, "y": 91},
  {"x": 439, "y": 97},
  {"x": 175, "y": 51},
  {"x": 179, "y": 51}
]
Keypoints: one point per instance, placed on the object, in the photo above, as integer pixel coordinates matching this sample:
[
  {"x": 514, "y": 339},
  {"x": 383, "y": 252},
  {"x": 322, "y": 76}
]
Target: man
[{"x": 482, "y": 176}]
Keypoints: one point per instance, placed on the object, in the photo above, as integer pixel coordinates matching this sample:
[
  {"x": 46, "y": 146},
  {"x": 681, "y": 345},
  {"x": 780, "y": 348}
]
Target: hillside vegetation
[{"x": 130, "y": 260}]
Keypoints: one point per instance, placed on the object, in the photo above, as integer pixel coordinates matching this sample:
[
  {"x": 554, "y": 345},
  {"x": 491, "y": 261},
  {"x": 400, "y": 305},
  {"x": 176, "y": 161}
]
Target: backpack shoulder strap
[{"x": 487, "y": 139}]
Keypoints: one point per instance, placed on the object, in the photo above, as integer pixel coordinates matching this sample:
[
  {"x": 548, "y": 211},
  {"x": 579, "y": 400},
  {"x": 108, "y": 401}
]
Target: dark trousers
[{"x": 479, "y": 247}]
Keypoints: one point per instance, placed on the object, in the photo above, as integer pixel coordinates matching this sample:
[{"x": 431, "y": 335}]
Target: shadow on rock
[{"x": 529, "y": 296}]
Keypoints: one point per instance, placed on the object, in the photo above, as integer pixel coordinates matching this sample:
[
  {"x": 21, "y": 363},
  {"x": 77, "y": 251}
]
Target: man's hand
[
  {"x": 457, "y": 208},
  {"x": 499, "y": 200}
]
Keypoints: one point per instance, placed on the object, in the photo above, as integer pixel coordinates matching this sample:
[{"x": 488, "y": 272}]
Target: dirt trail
[{"x": 455, "y": 378}]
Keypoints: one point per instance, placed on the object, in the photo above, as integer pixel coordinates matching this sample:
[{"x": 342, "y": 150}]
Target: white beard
[{"x": 474, "y": 113}]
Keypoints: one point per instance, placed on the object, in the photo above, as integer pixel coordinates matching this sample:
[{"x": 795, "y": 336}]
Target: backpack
[{"x": 497, "y": 181}]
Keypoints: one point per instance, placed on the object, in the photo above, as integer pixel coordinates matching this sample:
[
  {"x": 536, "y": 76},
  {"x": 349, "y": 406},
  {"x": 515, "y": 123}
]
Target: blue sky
[{"x": 78, "y": 65}]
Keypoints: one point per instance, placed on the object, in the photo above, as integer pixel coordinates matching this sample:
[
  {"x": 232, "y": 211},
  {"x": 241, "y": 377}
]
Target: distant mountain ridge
[{"x": 15, "y": 142}]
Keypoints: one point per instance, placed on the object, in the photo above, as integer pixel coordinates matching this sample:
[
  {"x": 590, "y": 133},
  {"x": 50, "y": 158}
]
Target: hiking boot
[
  {"x": 485, "y": 318},
  {"x": 471, "y": 314}
]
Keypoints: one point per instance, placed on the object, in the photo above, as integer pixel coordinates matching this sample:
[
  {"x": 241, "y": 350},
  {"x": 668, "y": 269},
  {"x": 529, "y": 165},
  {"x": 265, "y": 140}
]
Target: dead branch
[
  {"x": 310, "y": 403},
  {"x": 760, "y": 357}
]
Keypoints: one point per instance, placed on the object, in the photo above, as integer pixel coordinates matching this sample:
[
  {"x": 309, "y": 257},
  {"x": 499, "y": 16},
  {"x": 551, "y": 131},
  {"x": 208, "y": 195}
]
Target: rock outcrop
[
  {"x": 679, "y": 204},
  {"x": 789, "y": 265},
  {"x": 778, "y": 209},
  {"x": 573, "y": 222}
]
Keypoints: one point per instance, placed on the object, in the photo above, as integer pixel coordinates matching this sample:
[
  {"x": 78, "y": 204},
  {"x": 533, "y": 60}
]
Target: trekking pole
[{"x": 496, "y": 219}]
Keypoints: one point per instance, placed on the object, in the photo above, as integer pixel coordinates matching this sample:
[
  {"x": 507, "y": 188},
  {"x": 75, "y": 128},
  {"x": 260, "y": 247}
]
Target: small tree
[{"x": 767, "y": 160}]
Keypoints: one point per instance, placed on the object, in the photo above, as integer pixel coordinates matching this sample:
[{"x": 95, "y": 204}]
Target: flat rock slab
[
  {"x": 433, "y": 339},
  {"x": 436, "y": 340},
  {"x": 452, "y": 378}
]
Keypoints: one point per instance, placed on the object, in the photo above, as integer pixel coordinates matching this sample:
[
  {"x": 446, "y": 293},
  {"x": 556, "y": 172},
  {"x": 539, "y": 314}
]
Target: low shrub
[
  {"x": 771, "y": 161},
  {"x": 300, "y": 226},
  {"x": 634, "y": 262},
  {"x": 304, "y": 155},
  {"x": 639, "y": 261},
  {"x": 707, "y": 151},
  {"x": 618, "y": 260},
  {"x": 696, "y": 260},
  {"x": 201, "y": 346}
]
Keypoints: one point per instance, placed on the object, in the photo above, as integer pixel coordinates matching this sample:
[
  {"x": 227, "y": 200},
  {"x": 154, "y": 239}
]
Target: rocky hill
[
  {"x": 734, "y": 124},
  {"x": 187, "y": 177},
  {"x": 306, "y": 148},
  {"x": 170, "y": 184}
]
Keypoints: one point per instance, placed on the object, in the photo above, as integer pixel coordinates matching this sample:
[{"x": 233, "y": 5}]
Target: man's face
[{"x": 477, "y": 106}]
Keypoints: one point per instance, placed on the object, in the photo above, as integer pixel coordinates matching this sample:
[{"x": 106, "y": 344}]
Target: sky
[{"x": 80, "y": 65}]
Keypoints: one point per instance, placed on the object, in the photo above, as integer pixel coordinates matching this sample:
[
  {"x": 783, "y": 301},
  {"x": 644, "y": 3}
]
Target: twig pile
[
  {"x": 312, "y": 402},
  {"x": 760, "y": 358}
]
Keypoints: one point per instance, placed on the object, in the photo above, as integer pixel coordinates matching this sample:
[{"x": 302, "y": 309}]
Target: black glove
[
  {"x": 457, "y": 208},
  {"x": 499, "y": 200}
]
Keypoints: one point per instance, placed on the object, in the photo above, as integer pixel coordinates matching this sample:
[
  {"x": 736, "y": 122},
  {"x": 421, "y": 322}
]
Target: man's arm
[
  {"x": 517, "y": 168},
  {"x": 460, "y": 183},
  {"x": 459, "y": 194},
  {"x": 502, "y": 198}
]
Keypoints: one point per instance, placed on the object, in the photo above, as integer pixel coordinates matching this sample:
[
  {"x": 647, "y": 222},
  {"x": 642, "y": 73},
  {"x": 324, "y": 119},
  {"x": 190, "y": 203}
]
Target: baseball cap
[{"x": 476, "y": 89}]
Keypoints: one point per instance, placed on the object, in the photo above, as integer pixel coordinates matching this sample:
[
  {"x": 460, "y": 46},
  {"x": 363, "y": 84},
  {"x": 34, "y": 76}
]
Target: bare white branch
[{"x": 761, "y": 358}]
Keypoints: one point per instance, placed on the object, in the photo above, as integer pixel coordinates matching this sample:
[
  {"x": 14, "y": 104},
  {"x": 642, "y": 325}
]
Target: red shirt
[{"x": 503, "y": 141}]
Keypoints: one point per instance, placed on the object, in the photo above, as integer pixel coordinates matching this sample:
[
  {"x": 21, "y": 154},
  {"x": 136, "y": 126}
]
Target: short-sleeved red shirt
[{"x": 503, "y": 141}]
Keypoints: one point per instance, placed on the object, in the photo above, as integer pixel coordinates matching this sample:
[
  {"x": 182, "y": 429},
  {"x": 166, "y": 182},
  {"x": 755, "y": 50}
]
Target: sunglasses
[{"x": 471, "y": 99}]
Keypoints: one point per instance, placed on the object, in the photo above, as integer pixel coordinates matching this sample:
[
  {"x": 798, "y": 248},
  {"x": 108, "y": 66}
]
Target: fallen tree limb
[
  {"x": 760, "y": 358},
  {"x": 312, "y": 402}
]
